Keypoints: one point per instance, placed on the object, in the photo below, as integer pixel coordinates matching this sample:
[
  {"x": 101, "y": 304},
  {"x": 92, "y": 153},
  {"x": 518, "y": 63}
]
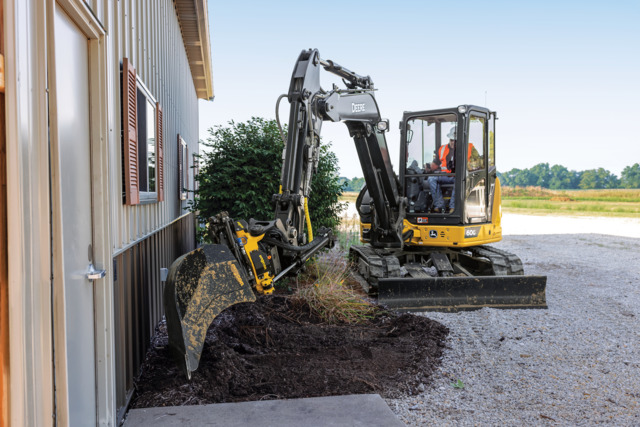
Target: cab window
[
  {"x": 475, "y": 153},
  {"x": 424, "y": 136}
]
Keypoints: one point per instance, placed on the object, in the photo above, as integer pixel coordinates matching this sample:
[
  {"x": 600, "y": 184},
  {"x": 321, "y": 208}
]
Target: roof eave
[{"x": 194, "y": 25}]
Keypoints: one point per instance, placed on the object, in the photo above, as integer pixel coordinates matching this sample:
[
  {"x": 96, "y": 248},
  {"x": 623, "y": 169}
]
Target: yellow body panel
[
  {"x": 264, "y": 283},
  {"x": 460, "y": 236},
  {"x": 308, "y": 218},
  {"x": 364, "y": 226},
  {"x": 453, "y": 235},
  {"x": 497, "y": 203},
  {"x": 449, "y": 235}
]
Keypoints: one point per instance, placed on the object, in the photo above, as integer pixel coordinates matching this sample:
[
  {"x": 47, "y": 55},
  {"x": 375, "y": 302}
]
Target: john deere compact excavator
[{"x": 416, "y": 256}]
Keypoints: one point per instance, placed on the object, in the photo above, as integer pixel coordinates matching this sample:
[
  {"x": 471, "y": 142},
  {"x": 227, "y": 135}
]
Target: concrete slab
[{"x": 366, "y": 410}]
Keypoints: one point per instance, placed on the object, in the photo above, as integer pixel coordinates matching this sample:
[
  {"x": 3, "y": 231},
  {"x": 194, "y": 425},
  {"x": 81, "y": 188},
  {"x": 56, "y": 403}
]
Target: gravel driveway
[{"x": 577, "y": 363}]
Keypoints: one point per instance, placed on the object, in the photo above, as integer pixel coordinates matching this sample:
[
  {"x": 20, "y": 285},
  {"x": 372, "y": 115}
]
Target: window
[
  {"x": 183, "y": 168},
  {"x": 425, "y": 135},
  {"x": 476, "y": 182},
  {"x": 477, "y": 134},
  {"x": 146, "y": 143},
  {"x": 142, "y": 150}
]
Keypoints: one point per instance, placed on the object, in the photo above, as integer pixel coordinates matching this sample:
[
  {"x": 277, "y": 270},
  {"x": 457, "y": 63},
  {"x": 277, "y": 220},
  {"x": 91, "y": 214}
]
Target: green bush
[
  {"x": 240, "y": 171},
  {"x": 324, "y": 204}
]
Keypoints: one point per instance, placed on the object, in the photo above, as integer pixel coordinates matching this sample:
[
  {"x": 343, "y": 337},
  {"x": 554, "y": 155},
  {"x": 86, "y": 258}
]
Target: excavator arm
[{"x": 357, "y": 108}]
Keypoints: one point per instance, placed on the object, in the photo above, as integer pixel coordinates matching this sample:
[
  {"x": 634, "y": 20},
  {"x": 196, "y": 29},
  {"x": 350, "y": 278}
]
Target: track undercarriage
[{"x": 443, "y": 279}]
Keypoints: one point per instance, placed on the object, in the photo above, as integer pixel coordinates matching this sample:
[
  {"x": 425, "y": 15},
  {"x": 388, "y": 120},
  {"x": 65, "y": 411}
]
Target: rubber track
[{"x": 504, "y": 263}]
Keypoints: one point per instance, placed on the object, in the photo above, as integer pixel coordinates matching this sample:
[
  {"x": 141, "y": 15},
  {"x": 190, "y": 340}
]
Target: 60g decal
[{"x": 471, "y": 232}]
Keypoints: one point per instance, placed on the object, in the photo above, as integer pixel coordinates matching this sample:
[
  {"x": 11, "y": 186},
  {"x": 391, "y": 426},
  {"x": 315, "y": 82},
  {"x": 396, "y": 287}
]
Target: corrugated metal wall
[
  {"x": 148, "y": 33},
  {"x": 138, "y": 298}
]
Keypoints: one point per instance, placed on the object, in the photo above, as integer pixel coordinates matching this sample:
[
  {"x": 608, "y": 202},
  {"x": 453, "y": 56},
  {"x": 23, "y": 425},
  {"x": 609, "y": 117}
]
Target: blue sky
[{"x": 563, "y": 76}]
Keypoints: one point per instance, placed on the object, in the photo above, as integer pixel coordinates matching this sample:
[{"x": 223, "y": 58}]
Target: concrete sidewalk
[{"x": 366, "y": 410}]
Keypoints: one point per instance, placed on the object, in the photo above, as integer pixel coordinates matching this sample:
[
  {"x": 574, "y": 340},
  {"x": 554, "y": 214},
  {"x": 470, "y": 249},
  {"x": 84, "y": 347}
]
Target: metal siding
[
  {"x": 97, "y": 8},
  {"x": 148, "y": 33},
  {"x": 144, "y": 239},
  {"x": 138, "y": 295},
  {"x": 29, "y": 260}
]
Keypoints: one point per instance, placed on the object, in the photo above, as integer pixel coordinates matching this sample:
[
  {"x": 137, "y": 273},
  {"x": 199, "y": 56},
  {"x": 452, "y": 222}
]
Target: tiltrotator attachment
[{"x": 201, "y": 284}]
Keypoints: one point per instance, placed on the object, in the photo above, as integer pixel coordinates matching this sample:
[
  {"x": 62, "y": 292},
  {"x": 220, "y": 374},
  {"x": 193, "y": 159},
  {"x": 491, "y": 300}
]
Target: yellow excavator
[{"x": 424, "y": 231}]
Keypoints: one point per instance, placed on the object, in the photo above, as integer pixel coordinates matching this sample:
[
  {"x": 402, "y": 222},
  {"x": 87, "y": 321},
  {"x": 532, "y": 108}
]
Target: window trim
[
  {"x": 481, "y": 174},
  {"x": 183, "y": 168}
]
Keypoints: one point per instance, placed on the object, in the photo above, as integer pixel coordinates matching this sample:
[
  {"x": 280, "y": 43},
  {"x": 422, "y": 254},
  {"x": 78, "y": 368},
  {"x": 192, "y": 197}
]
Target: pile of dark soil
[{"x": 277, "y": 349}]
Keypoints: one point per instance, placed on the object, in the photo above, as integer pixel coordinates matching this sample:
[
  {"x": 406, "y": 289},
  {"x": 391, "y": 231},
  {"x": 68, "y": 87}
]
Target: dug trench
[{"x": 276, "y": 348}]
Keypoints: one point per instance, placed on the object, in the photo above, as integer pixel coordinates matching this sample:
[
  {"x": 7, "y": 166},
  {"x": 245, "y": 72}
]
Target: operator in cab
[
  {"x": 446, "y": 158},
  {"x": 446, "y": 163}
]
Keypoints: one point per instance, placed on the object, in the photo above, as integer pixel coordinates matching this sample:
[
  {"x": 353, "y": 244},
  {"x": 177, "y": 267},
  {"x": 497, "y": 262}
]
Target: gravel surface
[
  {"x": 577, "y": 363},
  {"x": 547, "y": 224}
]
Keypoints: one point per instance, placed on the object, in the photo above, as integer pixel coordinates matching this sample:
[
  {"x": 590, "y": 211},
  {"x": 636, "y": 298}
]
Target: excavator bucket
[
  {"x": 463, "y": 293},
  {"x": 200, "y": 285}
]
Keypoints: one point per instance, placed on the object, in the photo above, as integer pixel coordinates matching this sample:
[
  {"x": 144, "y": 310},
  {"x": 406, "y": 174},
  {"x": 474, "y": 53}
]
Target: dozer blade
[
  {"x": 463, "y": 293},
  {"x": 200, "y": 285}
]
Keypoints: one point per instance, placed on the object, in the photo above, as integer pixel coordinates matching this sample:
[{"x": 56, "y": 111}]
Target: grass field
[
  {"x": 537, "y": 200},
  {"x": 349, "y": 196}
]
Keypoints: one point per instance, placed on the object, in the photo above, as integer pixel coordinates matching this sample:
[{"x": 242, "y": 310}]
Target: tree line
[
  {"x": 556, "y": 177},
  {"x": 353, "y": 184}
]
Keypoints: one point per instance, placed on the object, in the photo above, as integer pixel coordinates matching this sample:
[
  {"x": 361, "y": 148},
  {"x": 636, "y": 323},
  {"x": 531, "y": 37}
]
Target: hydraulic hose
[
  {"x": 321, "y": 243},
  {"x": 289, "y": 247},
  {"x": 284, "y": 140}
]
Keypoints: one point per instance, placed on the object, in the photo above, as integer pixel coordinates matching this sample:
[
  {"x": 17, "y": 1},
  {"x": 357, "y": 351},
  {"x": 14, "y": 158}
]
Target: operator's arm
[{"x": 432, "y": 167}]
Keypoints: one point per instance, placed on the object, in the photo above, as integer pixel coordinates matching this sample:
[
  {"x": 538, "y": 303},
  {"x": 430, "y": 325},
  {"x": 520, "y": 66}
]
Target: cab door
[{"x": 477, "y": 186}]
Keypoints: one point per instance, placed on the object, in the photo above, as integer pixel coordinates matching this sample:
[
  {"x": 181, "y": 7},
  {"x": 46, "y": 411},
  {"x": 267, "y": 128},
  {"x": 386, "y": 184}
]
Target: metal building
[{"x": 98, "y": 137}]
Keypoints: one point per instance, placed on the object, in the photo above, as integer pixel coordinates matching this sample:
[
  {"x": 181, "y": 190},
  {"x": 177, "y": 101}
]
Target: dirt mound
[{"x": 277, "y": 349}]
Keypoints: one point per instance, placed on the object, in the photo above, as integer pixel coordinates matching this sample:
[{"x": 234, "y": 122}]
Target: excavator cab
[
  {"x": 449, "y": 182},
  {"x": 449, "y": 171}
]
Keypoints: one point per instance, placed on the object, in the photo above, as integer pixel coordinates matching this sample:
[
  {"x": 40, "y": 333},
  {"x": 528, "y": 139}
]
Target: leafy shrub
[
  {"x": 324, "y": 204},
  {"x": 240, "y": 171}
]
